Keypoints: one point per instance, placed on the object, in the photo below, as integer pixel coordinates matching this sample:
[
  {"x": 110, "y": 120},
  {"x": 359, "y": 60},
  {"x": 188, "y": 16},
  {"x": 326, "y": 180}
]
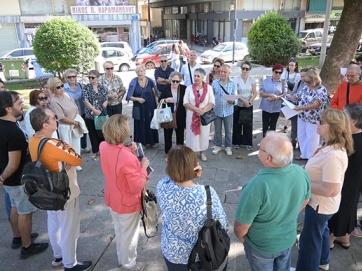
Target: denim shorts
[{"x": 20, "y": 200}]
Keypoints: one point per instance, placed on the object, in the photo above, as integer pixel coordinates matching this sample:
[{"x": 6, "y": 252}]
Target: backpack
[
  {"x": 46, "y": 190},
  {"x": 213, "y": 243}
]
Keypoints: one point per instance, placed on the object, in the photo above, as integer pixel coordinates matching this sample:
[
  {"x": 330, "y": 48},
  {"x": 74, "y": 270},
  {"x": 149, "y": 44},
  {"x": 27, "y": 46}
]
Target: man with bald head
[
  {"x": 266, "y": 217},
  {"x": 348, "y": 92}
]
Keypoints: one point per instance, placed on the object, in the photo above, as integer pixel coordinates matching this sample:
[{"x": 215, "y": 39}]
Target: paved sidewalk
[{"x": 96, "y": 242}]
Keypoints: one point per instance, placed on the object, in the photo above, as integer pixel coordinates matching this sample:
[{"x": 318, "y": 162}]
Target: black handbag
[
  {"x": 246, "y": 117},
  {"x": 208, "y": 117},
  {"x": 136, "y": 112}
]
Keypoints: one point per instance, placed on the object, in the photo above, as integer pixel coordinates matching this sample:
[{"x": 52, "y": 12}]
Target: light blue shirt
[
  {"x": 76, "y": 95},
  {"x": 222, "y": 108},
  {"x": 271, "y": 86},
  {"x": 183, "y": 215}
]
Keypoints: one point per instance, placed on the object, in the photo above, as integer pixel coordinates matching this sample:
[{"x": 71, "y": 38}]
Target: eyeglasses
[
  {"x": 196, "y": 75},
  {"x": 55, "y": 118},
  {"x": 175, "y": 81},
  {"x": 42, "y": 98},
  {"x": 92, "y": 77},
  {"x": 217, "y": 66},
  {"x": 264, "y": 151},
  {"x": 308, "y": 82},
  {"x": 245, "y": 69},
  {"x": 351, "y": 75},
  {"x": 276, "y": 72},
  {"x": 59, "y": 87},
  {"x": 72, "y": 77},
  {"x": 110, "y": 68},
  {"x": 163, "y": 61}
]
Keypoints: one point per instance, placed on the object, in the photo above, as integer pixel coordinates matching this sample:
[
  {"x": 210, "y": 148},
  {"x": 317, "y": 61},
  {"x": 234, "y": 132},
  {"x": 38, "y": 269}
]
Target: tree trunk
[{"x": 344, "y": 44}]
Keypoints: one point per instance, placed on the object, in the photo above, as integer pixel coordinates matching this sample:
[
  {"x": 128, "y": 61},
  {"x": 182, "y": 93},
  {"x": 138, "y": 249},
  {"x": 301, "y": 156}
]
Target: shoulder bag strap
[
  {"x": 223, "y": 89},
  {"x": 347, "y": 94},
  {"x": 188, "y": 64},
  {"x": 208, "y": 202},
  {"x": 41, "y": 146}
]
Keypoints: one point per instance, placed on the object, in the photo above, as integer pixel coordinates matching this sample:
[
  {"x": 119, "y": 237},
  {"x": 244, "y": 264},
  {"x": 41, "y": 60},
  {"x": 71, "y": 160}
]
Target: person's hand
[
  {"x": 159, "y": 80},
  {"x": 200, "y": 111},
  {"x": 297, "y": 108},
  {"x": 141, "y": 100},
  {"x": 170, "y": 100},
  {"x": 97, "y": 112},
  {"x": 247, "y": 104},
  {"x": 67, "y": 166},
  {"x": 121, "y": 94},
  {"x": 132, "y": 146},
  {"x": 230, "y": 102},
  {"x": 145, "y": 163},
  {"x": 76, "y": 123},
  {"x": 198, "y": 171},
  {"x": 105, "y": 104},
  {"x": 115, "y": 97}
]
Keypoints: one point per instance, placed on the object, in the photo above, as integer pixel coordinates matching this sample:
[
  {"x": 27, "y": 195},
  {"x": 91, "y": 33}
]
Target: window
[
  {"x": 28, "y": 52},
  {"x": 311, "y": 36},
  {"x": 228, "y": 48},
  {"x": 17, "y": 53},
  {"x": 318, "y": 34}
]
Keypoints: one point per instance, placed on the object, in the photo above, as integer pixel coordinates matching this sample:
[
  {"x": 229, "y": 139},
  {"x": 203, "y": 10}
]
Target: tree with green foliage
[
  {"x": 63, "y": 43},
  {"x": 271, "y": 40}
]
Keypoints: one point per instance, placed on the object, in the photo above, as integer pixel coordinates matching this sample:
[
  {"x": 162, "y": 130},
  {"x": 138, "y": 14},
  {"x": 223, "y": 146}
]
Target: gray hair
[
  {"x": 354, "y": 67},
  {"x": 201, "y": 71},
  {"x": 140, "y": 67},
  {"x": 279, "y": 147},
  {"x": 94, "y": 72},
  {"x": 68, "y": 71},
  {"x": 354, "y": 112},
  {"x": 193, "y": 52},
  {"x": 175, "y": 73}
]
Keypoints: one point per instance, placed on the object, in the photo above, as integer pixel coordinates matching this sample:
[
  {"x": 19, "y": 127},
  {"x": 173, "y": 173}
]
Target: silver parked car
[
  {"x": 225, "y": 51},
  {"x": 121, "y": 59}
]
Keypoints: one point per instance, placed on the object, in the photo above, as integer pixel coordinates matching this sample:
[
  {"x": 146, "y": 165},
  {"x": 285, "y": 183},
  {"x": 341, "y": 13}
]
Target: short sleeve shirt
[
  {"x": 308, "y": 97},
  {"x": 115, "y": 86},
  {"x": 244, "y": 88},
  {"x": 94, "y": 98}
]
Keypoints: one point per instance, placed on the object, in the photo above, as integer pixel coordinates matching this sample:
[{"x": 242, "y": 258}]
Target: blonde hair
[
  {"x": 116, "y": 129},
  {"x": 68, "y": 71},
  {"x": 140, "y": 67},
  {"x": 340, "y": 134},
  {"x": 313, "y": 74},
  {"x": 53, "y": 82},
  {"x": 108, "y": 62}
]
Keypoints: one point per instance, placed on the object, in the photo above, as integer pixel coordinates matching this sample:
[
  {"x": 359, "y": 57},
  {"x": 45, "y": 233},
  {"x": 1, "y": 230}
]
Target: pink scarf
[{"x": 195, "y": 124}]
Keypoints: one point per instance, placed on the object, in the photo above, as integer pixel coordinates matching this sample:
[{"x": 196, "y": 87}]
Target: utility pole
[
  {"x": 149, "y": 22},
  {"x": 235, "y": 27},
  {"x": 325, "y": 33}
]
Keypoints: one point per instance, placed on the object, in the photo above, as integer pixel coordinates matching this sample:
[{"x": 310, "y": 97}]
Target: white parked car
[
  {"x": 121, "y": 59},
  {"x": 27, "y": 53},
  {"x": 120, "y": 44},
  {"x": 225, "y": 51}
]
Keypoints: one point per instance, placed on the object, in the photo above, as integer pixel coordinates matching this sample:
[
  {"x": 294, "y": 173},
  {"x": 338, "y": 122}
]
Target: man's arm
[
  {"x": 12, "y": 166},
  {"x": 304, "y": 204},
  {"x": 241, "y": 230}
]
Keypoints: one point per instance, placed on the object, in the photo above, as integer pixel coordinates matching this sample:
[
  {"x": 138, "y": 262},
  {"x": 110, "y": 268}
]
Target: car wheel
[
  {"x": 150, "y": 65},
  {"x": 124, "y": 68}
]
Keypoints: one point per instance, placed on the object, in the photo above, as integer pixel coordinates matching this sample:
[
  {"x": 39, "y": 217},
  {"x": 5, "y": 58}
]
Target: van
[{"x": 310, "y": 36}]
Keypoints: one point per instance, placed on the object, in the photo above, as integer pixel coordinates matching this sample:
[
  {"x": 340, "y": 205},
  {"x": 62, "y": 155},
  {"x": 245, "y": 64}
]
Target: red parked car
[{"x": 151, "y": 60}]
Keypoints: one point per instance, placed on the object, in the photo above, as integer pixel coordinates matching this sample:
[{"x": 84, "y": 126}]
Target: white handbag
[{"x": 163, "y": 114}]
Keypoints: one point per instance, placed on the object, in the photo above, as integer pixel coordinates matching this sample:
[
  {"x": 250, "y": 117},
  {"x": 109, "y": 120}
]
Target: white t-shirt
[{"x": 244, "y": 89}]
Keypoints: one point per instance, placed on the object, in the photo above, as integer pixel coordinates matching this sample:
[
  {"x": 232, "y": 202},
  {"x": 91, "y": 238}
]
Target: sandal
[
  {"x": 345, "y": 245},
  {"x": 203, "y": 157}
]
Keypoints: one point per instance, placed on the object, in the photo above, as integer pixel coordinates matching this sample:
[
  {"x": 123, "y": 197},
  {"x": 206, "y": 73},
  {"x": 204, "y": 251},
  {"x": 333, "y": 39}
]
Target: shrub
[
  {"x": 271, "y": 40},
  {"x": 63, "y": 43}
]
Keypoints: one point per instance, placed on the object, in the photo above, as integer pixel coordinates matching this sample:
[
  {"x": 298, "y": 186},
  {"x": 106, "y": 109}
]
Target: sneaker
[
  {"x": 249, "y": 148},
  {"x": 216, "y": 150},
  {"x": 236, "y": 147},
  {"x": 35, "y": 248},
  {"x": 80, "y": 266},
  {"x": 324, "y": 266},
  {"x": 357, "y": 232},
  {"x": 203, "y": 157},
  {"x": 86, "y": 150},
  {"x": 228, "y": 151},
  {"x": 94, "y": 156},
  {"x": 138, "y": 267},
  {"x": 17, "y": 241},
  {"x": 155, "y": 145},
  {"x": 57, "y": 262},
  {"x": 78, "y": 168}
]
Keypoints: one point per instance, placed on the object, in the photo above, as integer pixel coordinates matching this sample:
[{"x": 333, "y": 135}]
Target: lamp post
[
  {"x": 325, "y": 33},
  {"x": 149, "y": 22},
  {"x": 235, "y": 28}
]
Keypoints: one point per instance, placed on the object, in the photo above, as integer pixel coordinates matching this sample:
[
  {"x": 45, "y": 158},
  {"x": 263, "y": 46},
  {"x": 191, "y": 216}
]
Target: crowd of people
[{"x": 327, "y": 188}]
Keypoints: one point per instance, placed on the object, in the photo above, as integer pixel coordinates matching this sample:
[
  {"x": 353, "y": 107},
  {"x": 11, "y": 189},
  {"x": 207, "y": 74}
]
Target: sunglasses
[
  {"x": 111, "y": 68},
  {"x": 163, "y": 61},
  {"x": 245, "y": 69},
  {"x": 175, "y": 81},
  {"x": 276, "y": 72},
  {"x": 72, "y": 77},
  {"x": 92, "y": 77},
  {"x": 217, "y": 66},
  {"x": 59, "y": 87},
  {"x": 43, "y": 98}
]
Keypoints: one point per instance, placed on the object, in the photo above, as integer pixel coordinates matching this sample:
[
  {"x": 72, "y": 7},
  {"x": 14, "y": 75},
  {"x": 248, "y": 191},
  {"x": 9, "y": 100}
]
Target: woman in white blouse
[{"x": 246, "y": 87}]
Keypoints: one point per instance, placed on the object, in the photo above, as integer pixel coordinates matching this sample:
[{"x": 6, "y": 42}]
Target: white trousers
[
  {"x": 308, "y": 138},
  {"x": 126, "y": 229},
  {"x": 63, "y": 230}
]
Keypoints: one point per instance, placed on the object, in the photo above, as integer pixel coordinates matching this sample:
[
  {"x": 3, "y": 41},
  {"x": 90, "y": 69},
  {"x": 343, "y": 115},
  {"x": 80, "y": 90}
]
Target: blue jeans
[
  {"x": 260, "y": 261},
  {"x": 7, "y": 204},
  {"x": 314, "y": 241},
  {"x": 228, "y": 123}
]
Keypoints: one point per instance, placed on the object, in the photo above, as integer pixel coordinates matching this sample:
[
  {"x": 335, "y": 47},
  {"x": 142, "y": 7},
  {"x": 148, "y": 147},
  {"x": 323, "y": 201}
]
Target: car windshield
[
  {"x": 219, "y": 47},
  {"x": 301, "y": 35},
  {"x": 155, "y": 50},
  {"x": 151, "y": 44}
]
